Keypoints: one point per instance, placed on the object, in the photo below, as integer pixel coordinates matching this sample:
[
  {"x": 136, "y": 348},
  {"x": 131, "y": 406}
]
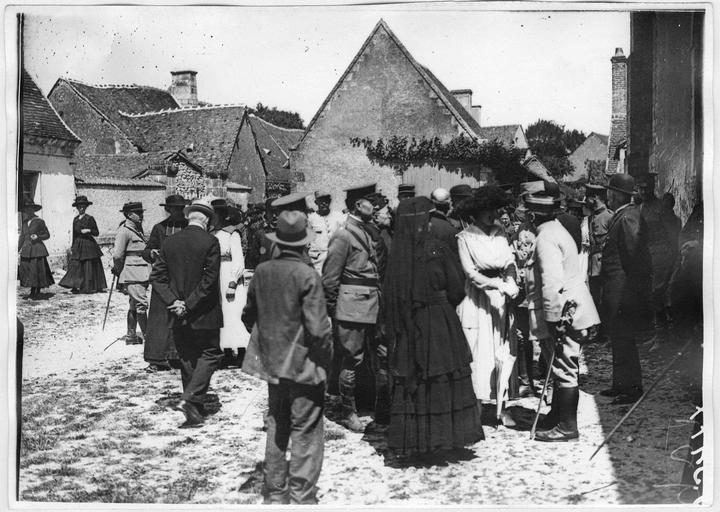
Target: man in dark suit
[
  {"x": 626, "y": 274},
  {"x": 440, "y": 226},
  {"x": 186, "y": 277}
]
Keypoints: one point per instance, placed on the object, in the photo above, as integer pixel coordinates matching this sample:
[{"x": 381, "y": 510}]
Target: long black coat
[
  {"x": 158, "y": 236},
  {"x": 84, "y": 246},
  {"x": 442, "y": 229},
  {"x": 626, "y": 265},
  {"x": 33, "y": 248},
  {"x": 188, "y": 269}
]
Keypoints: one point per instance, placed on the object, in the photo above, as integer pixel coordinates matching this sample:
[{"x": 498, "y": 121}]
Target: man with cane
[{"x": 561, "y": 282}]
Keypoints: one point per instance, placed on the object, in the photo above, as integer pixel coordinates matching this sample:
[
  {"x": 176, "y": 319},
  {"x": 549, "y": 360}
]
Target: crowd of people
[{"x": 446, "y": 299}]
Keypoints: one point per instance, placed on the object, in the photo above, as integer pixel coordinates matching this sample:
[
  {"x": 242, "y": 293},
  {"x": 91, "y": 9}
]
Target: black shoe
[
  {"x": 556, "y": 435},
  {"x": 192, "y": 415},
  {"x": 154, "y": 368},
  {"x": 627, "y": 398},
  {"x": 611, "y": 392}
]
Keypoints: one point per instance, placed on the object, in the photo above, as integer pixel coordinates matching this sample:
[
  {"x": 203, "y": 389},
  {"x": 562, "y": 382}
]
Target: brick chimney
[
  {"x": 464, "y": 96},
  {"x": 618, "y": 121},
  {"x": 184, "y": 88}
]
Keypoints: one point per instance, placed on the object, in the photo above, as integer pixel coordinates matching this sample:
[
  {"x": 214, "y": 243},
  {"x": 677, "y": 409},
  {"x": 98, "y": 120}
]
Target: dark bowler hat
[
  {"x": 81, "y": 201},
  {"x": 406, "y": 188},
  {"x": 294, "y": 201},
  {"x": 29, "y": 203},
  {"x": 132, "y": 206},
  {"x": 354, "y": 194},
  {"x": 591, "y": 188},
  {"x": 292, "y": 229},
  {"x": 461, "y": 190},
  {"x": 219, "y": 203},
  {"x": 200, "y": 205},
  {"x": 541, "y": 203},
  {"x": 622, "y": 183},
  {"x": 174, "y": 200}
]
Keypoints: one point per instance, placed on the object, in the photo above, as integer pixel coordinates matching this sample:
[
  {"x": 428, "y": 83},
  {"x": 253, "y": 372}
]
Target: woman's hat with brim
[
  {"x": 132, "y": 206},
  {"x": 29, "y": 203},
  {"x": 81, "y": 201},
  {"x": 541, "y": 203},
  {"x": 174, "y": 200},
  {"x": 200, "y": 205},
  {"x": 292, "y": 229}
]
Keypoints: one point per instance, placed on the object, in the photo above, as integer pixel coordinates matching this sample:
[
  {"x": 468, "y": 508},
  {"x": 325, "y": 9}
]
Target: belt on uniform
[
  {"x": 134, "y": 253},
  {"x": 359, "y": 281}
]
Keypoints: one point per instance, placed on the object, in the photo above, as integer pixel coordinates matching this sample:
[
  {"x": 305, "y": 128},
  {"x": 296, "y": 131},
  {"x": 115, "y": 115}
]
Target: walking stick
[
  {"x": 544, "y": 391},
  {"x": 107, "y": 307},
  {"x": 639, "y": 400}
]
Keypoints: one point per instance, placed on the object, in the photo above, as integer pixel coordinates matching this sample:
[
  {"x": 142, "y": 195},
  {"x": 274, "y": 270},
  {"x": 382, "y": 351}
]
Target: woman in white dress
[
  {"x": 489, "y": 266},
  {"x": 233, "y": 294}
]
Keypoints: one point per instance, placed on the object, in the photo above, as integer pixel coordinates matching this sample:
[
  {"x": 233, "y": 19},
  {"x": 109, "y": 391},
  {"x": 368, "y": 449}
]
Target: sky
[{"x": 521, "y": 66}]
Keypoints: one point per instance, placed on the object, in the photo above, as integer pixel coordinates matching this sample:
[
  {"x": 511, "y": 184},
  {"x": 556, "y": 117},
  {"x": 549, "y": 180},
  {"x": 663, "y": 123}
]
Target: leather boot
[
  {"x": 131, "y": 336},
  {"x": 142, "y": 322},
  {"x": 550, "y": 419},
  {"x": 566, "y": 428},
  {"x": 350, "y": 418}
]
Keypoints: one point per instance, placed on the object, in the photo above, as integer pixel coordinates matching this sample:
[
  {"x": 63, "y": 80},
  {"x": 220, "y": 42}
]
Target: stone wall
[
  {"x": 618, "y": 126},
  {"x": 97, "y": 135},
  {"x": 383, "y": 95}
]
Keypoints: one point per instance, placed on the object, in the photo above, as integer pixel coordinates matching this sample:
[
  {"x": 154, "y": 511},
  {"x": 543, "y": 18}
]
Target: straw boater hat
[
  {"x": 200, "y": 205},
  {"x": 542, "y": 204},
  {"x": 132, "y": 206},
  {"x": 174, "y": 200},
  {"x": 81, "y": 200},
  {"x": 292, "y": 229}
]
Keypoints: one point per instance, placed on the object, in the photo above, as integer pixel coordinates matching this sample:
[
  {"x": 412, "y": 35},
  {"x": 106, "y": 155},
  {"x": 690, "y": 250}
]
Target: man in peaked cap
[
  {"x": 559, "y": 279},
  {"x": 598, "y": 223},
  {"x": 350, "y": 280},
  {"x": 132, "y": 270},
  {"x": 289, "y": 202},
  {"x": 405, "y": 191},
  {"x": 626, "y": 275},
  {"x": 457, "y": 194},
  {"x": 324, "y": 223},
  {"x": 186, "y": 274},
  {"x": 160, "y": 353}
]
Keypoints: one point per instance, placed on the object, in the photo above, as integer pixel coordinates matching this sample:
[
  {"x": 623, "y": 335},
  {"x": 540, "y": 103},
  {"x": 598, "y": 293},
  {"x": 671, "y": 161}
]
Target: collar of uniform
[
  {"x": 192, "y": 225},
  {"x": 622, "y": 208},
  {"x": 600, "y": 210},
  {"x": 289, "y": 254},
  {"x": 355, "y": 220},
  {"x": 132, "y": 224}
]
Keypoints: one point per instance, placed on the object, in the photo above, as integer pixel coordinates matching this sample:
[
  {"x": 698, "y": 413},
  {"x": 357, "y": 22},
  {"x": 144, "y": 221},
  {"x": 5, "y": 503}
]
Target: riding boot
[
  {"x": 131, "y": 336},
  {"x": 142, "y": 322},
  {"x": 566, "y": 428},
  {"x": 382, "y": 399},
  {"x": 349, "y": 418}
]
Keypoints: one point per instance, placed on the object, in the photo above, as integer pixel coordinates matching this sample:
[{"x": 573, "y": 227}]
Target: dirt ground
[{"x": 97, "y": 428}]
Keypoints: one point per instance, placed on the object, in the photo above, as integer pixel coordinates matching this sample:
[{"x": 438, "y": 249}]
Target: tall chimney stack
[
  {"x": 464, "y": 96},
  {"x": 618, "y": 122},
  {"x": 184, "y": 88}
]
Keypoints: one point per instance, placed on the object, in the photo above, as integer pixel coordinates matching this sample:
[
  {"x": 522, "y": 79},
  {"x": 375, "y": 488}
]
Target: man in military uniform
[
  {"x": 457, "y": 194},
  {"x": 350, "y": 280},
  {"x": 559, "y": 278},
  {"x": 598, "y": 221},
  {"x": 132, "y": 270},
  {"x": 324, "y": 223},
  {"x": 406, "y": 191},
  {"x": 159, "y": 344},
  {"x": 290, "y": 202},
  {"x": 626, "y": 275}
]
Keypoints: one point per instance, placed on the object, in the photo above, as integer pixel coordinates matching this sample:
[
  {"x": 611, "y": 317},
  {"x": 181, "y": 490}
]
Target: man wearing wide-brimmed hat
[
  {"x": 159, "y": 350},
  {"x": 186, "y": 275},
  {"x": 324, "y": 223},
  {"x": 351, "y": 282},
  {"x": 290, "y": 348},
  {"x": 558, "y": 277},
  {"x": 626, "y": 275},
  {"x": 132, "y": 270}
]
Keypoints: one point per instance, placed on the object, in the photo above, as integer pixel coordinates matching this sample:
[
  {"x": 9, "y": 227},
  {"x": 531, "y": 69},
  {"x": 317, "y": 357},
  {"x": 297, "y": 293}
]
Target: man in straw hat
[
  {"x": 132, "y": 270},
  {"x": 558, "y": 276},
  {"x": 160, "y": 351},
  {"x": 626, "y": 275},
  {"x": 324, "y": 223},
  {"x": 350, "y": 279},
  {"x": 290, "y": 348},
  {"x": 186, "y": 275}
]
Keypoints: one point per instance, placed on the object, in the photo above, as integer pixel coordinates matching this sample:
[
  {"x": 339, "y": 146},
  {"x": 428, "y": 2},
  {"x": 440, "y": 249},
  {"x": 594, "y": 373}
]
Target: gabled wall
[{"x": 245, "y": 165}]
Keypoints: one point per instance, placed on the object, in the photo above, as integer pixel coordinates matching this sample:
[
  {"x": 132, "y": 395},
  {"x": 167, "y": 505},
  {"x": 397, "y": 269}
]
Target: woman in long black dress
[
  {"x": 85, "y": 272},
  {"x": 434, "y": 408},
  {"x": 34, "y": 271}
]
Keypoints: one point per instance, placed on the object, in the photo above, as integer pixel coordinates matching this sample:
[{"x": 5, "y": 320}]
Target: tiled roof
[
  {"x": 273, "y": 144},
  {"x": 120, "y": 182},
  {"x": 39, "y": 117},
  {"x": 207, "y": 134},
  {"x": 603, "y": 138},
  {"x": 502, "y": 133},
  {"x": 537, "y": 169},
  {"x": 110, "y": 100},
  {"x": 116, "y": 166}
]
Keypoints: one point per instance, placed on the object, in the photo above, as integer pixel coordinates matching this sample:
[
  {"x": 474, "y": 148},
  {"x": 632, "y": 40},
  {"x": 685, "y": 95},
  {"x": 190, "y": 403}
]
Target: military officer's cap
[
  {"x": 321, "y": 193},
  {"x": 461, "y": 190},
  {"x": 541, "y": 203},
  {"x": 354, "y": 194},
  {"x": 294, "y": 201},
  {"x": 406, "y": 188}
]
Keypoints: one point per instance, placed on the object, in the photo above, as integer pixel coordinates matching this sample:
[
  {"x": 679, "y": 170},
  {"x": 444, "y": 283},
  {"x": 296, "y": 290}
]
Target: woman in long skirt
[
  {"x": 433, "y": 404},
  {"x": 85, "y": 272},
  {"x": 489, "y": 266},
  {"x": 234, "y": 337},
  {"x": 34, "y": 271}
]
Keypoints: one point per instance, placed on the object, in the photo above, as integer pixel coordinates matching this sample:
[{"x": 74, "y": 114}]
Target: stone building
[
  {"x": 665, "y": 103},
  {"x": 593, "y": 150},
  {"x": 45, "y": 173},
  {"x": 385, "y": 92},
  {"x": 617, "y": 143}
]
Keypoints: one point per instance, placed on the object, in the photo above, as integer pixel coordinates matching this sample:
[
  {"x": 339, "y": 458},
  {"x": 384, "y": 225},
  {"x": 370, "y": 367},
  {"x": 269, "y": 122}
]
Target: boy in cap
[
  {"x": 351, "y": 280},
  {"x": 290, "y": 348},
  {"x": 324, "y": 223},
  {"x": 132, "y": 270}
]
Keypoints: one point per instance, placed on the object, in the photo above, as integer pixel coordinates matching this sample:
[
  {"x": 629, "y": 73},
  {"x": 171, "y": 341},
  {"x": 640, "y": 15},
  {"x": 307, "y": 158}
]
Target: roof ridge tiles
[
  {"x": 114, "y": 86},
  {"x": 183, "y": 109},
  {"x": 274, "y": 125}
]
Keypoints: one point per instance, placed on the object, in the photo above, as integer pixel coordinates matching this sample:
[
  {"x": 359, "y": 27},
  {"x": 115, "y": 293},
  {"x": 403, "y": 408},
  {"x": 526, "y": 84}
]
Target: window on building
[{"x": 29, "y": 183}]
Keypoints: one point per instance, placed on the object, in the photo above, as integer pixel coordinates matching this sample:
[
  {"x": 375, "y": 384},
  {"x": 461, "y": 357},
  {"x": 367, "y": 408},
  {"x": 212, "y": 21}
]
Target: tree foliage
[
  {"x": 282, "y": 118},
  {"x": 401, "y": 152},
  {"x": 552, "y": 144}
]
